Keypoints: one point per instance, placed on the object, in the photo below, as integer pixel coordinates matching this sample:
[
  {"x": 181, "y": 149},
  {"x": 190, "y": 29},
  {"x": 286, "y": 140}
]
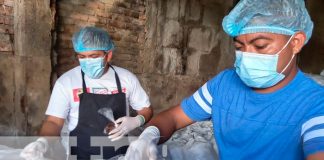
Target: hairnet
[
  {"x": 90, "y": 39},
  {"x": 272, "y": 16}
]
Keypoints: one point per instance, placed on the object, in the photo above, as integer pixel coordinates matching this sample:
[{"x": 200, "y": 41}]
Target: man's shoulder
[{"x": 310, "y": 85}]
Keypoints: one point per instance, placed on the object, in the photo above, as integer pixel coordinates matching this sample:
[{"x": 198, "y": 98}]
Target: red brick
[
  {"x": 93, "y": 19},
  {"x": 102, "y": 13},
  {"x": 64, "y": 13},
  {"x": 117, "y": 24},
  {"x": 102, "y": 20},
  {"x": 131, "y": 13},
  {"x": 84, "y": 24},
  {"x": 139, "y": 8},
  {"x": 6, "y": 20},
  {"x": 6, "y": 43},
  {"x": 95, "y": 5},
  {"x": 142, "y": 17},
  {"x": 65, "y": 52},
  {"x": 79, "y": 16},
  {"x": 117, "y": 10},
  {"x": 6, "y": 29},
  {"x": 130, "y": 39},
  {"x": 5, "y": 10},
  {"x": 123, "y": 4},
  {"x": 64, "y": 44},
  {"x": 69, "y": 29},
  {"x": 64, "y": 59},
  {"x": 66, "y": 20},
  {"x": 109, "y": 2},
  {"x": 6, "y": 52},
  {"x": 121, "y": 18},
  {"x": 84, "y": 10},
  {"x": 133, "y": 27},
  {"x": 65, "y": 37},
  {"x": 115, "y": 36},
  {"x": 65, "y": 6},
  {"x": 8, "y": 3}
]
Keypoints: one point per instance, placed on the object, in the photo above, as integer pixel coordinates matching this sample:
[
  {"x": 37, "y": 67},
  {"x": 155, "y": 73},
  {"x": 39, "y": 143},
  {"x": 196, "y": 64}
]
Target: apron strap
[
  {"x": 117, "y": 80},
  {"x": 84, "y": 86}
]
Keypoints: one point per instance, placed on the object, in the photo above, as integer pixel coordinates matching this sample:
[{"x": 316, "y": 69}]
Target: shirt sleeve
[
  {"x": 138, "y": 99},
  {"x": 313, "y": 133},
  {"x": 198, "y": 107},
  {"x": 59, "y": 102}
]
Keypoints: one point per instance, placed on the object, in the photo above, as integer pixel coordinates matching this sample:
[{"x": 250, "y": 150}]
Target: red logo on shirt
[{"x": 77, "y": 92}]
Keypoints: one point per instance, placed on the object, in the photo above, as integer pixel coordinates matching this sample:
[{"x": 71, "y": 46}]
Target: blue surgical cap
[
  {"x": 92, "y": 39},
  {"x": 271, "y": 16}
]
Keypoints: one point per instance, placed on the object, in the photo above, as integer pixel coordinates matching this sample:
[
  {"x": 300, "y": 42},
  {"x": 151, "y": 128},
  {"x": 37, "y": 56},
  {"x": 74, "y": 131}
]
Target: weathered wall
[
  {"x": 25, "y": 68},
  {"x": 311, "y": 58},
  {"x": 185, "y": 46}
]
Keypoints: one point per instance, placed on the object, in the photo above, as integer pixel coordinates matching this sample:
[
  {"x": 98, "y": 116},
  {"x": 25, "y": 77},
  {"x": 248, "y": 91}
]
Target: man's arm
[
  {"x": 170, "y": 121},
  {"x": 316, "y": 156},
  {"x": 147, "y": 113},
  {"x": 52, "y": 126}
]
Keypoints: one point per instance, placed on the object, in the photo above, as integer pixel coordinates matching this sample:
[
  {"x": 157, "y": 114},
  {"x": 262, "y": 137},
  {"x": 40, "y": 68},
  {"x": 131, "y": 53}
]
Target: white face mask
[{"x": 260, "y": 70}]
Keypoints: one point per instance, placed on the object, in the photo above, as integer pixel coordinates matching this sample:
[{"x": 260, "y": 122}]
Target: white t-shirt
[{"x": 64, "y": 101}]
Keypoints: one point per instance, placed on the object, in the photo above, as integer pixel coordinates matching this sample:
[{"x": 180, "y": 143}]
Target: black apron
[{"x": 91, "y": 123}]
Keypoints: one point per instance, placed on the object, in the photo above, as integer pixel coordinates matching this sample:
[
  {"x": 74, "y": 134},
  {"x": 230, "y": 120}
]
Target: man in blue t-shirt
[{"x": 264, "y": 107}]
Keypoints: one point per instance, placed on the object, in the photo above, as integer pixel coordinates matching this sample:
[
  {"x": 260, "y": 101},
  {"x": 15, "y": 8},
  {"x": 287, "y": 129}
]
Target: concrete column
[{"x": 31, "y": 64}]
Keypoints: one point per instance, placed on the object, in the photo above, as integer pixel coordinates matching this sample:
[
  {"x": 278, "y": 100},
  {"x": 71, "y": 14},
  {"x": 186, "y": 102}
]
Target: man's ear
[
  {"x": 298, "y": 41},
  {"x": 109, "y": 56}
]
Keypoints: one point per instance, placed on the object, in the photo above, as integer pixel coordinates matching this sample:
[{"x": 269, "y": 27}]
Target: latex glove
[
  {"x": 145, "y": 147},
  {"x": 35, "y": 150},
  {"x": 126, "y": 124}
]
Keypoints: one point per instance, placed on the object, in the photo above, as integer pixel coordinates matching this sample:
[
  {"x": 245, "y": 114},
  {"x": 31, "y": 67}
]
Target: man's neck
[
  {"x": 106, "y": 68},
  {"x": 281, "y": 84}
]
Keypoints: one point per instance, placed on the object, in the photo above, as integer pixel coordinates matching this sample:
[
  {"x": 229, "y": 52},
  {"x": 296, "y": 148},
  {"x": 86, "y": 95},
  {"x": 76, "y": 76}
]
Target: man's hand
[
  {"x": 145, "y": 147},
  {"x": 126, "y": 124},
  {"x": 35, "y": 150},
  {"x": 141, "y": 149}
]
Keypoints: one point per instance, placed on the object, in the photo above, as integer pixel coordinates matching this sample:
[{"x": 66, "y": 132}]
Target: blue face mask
[
  {"x": 259, "y": 70},
  {"x": 93, "y": 67}
]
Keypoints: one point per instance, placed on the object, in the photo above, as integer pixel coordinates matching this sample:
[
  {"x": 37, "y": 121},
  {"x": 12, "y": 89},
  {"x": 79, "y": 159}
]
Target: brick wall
[
  {"x": 123, "y": 19},
  {"x": 6, "y": 26}
]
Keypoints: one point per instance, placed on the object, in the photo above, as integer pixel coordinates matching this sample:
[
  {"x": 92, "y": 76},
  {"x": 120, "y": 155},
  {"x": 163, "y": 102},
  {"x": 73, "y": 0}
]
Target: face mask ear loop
[
  {"x": 291, "y": 57},
  {"x": 106, "y": 54},
  {"x": 288, "y": 64},
  {"x": 285, "y": 45}
]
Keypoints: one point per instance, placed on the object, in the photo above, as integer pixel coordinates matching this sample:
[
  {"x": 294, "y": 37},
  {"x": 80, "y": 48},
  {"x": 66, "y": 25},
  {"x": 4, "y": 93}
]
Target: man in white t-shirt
[{"x": 90, "y": 96}]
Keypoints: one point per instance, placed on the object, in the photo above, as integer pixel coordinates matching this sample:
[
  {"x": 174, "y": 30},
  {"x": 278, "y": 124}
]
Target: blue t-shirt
[{"x": 286, "y": 124}]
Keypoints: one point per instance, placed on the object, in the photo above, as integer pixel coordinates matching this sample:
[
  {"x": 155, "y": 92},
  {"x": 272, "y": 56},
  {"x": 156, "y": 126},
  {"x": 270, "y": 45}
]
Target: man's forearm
[
  {"x": 50, "y": 129},
  {"x": 169, "y": 121},
  {"x": 147, "y": 113}
]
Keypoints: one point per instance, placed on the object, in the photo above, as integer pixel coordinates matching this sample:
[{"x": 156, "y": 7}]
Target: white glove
[
  {"x": 35, "y": 150},
  {"x": 126, "y": 125},
  {"x": 145, "y": 147}
]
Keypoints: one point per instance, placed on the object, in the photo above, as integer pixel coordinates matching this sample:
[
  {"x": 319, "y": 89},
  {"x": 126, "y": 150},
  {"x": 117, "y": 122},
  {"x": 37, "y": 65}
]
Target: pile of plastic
[{"x": 193, "y": 142}]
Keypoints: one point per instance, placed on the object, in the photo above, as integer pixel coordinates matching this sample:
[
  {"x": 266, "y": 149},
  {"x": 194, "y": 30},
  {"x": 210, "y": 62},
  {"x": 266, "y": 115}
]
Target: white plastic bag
[{"x": 7, "y": 153}]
